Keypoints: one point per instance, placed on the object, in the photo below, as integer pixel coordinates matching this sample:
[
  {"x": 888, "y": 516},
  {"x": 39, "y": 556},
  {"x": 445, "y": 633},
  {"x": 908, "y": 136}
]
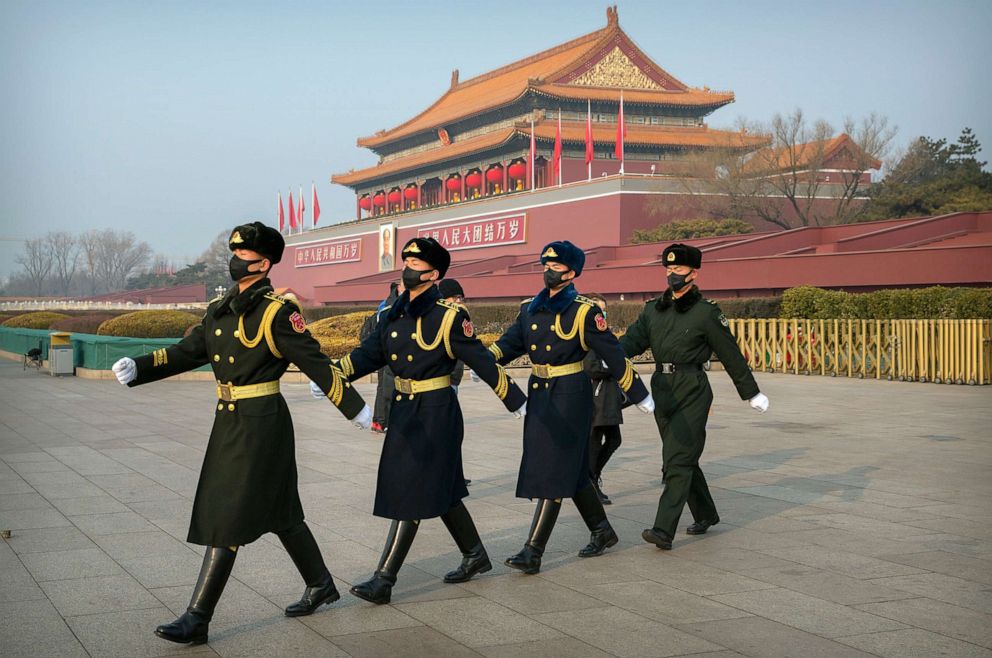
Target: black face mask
[
  {"x": 553, "y": 279},
  {"x": 411, "y": 277},
  {"x": 677, "y": 281},
  {"x": 238, "y": 267}
]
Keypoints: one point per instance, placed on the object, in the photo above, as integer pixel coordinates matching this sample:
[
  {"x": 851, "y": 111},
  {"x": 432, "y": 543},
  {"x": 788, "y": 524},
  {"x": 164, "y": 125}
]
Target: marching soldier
[
  {"x": 683, "y": 329},
  {"x": 247, "y": 483},
  {"x": 420, "y": 338},
  {"x": 556, "y": 329}
]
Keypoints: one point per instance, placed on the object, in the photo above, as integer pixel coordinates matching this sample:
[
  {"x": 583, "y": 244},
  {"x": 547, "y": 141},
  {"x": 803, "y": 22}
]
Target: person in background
[
  {"x": 608, "y": 401},
  {"x": 384, "y": 378}
]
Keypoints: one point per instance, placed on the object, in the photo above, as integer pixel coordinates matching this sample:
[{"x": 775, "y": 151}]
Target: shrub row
[
  {"x": 34, "y": 320},
  {"x": 149, "y": 324},
  {"x": 807, "y": 302}
]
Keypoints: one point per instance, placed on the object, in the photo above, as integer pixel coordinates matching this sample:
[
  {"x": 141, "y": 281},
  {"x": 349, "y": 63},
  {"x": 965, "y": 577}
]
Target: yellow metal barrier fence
[{"x": 939, "y": 351}]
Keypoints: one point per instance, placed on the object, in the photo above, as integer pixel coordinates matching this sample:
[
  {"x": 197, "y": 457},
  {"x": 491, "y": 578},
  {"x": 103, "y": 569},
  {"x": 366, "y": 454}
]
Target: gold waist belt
[
  {"x": 411, "y": 386},
  {"x": 230, "y": 392},
  {"x": 545, "y": 371}
]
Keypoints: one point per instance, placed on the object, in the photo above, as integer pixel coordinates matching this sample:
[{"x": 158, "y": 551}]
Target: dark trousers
[
  {"x": 603, "y": 442},
  {"x": 683, "y": 435},
  {"x": 383, "y": 397}
]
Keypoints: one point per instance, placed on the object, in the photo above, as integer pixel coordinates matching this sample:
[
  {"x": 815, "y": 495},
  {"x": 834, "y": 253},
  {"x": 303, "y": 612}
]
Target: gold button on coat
[
  {"x": 230, "y": 407},
  {"x": 533, "y": 347},
  {"x": 393, "y": 357},
  {"x": 230, "y": 359},
  {"x": 533, "y": 326},
  {"x": 394, "y": 334},
  {"x": 399, "y": 397},
  {"x": 217, "y": 332},
  {"x": 216, "y": 357},
  {"x": 409, "y": 357},
  {"x": 220, "y": 407}
]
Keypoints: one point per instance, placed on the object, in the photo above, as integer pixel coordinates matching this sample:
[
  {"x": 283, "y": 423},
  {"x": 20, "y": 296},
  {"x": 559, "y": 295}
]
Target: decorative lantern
[
  {"x": 365, "y": 203},
  {"x": 474, "y": 180},
  {"x": 379, "y": 200},
  {"x": 517, "y": 171},
  {"x": 411, "y": 193},
  {"x": 453, "y": 184},
  {"x": 394, "y": 196},
  {"x": 495, "y": 175}
]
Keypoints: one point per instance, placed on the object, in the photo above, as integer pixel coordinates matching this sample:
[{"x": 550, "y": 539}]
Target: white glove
[
  {"x": 475, "y": 378},
  {"x": 126, "y": 370},
  {"x": 364, "y": 418},
  {"x": 521, "y": 412},
  {"x": 759, "y": 402},
  {"x": 647, "y": 404},
  {"x": 316, "y": 391}
]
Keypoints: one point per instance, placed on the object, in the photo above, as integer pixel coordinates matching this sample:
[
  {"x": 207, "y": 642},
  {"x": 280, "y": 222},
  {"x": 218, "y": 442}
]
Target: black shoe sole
[
  {"x": 488, "y": 567},
  {"x": 195, "y": 640},
  {"x": 610, "y": 544},
  {"x": 690, "y": 531},
  {"x": 651, "y": 539},
  {"x": 519, "y": 567},
  {"x": 303, "y": 613},
  {"x": 370, "y": 599}
]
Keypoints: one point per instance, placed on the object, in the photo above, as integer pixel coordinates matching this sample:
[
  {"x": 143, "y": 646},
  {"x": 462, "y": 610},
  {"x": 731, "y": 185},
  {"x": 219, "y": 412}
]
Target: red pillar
[
  {"x": 358, "y": 208},
  {"x": 506, "y": 177},
  {"x": 462, "y": 178}
]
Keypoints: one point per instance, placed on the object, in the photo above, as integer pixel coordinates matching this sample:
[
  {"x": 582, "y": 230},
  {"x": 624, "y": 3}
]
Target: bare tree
[
  {"x": 64, "y": 249},
  {"x": 806, "y": 176},
  {"x": 113, "y": 256},
  {"x": 37, "y": 262}
]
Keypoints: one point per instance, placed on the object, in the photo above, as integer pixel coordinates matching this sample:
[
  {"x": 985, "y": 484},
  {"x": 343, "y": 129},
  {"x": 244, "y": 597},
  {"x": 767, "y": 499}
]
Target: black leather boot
[
  {"x": 603, "y": 536},
  {"x": 379, "y": 588},
  {"x": 529, "y": 559},
  {"x": 474, "y": 557},
  {"x": 192, "y": 625},
  {"x": 302, "y": 548}
]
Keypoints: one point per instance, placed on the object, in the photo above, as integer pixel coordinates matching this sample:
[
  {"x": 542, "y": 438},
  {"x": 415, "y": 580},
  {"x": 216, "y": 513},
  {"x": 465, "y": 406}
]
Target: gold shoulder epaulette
[
  {"x": 584, "y": 300},
  {"x": 528, "y": 300},
  {"x": 284, "y": 299},
  {"x": 445, "y": 303},
  {"x": 215, "y": 299}
]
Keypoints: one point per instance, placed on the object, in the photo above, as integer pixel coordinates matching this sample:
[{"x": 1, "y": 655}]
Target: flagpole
[
  {"x": 620, "y": 132},
  {"x": 560, "y": 163},
  {"x": 589, "y": 135}
]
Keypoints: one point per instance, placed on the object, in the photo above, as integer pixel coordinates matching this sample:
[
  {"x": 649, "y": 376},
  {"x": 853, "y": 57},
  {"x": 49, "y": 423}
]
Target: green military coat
[{"x": 247, "y": 483}]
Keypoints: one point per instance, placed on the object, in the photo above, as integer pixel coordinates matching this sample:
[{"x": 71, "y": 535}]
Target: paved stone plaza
[{"x": 855, "y": 521}]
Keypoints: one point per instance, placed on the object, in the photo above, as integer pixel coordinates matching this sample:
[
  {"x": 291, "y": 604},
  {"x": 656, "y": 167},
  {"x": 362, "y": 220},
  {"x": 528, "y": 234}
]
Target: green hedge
[
  {"x": 34, "y": 320},
  {"x": 807, "y": 302},
  {"x": 83, "y": 324},
  {"x": 149, "y": 324}
]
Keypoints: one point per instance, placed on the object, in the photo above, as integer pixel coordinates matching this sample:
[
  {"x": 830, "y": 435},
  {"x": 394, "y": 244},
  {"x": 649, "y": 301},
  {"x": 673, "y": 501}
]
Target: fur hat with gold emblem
[
  {"x": 566, "y": 253},
  {"x": 430, "y": 251},
  {"x": 260, "y": 238},
  {"x": 682, "y": 254}
]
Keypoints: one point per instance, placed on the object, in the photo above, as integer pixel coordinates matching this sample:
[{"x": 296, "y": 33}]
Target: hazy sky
[{"x": 177, "y": 119}]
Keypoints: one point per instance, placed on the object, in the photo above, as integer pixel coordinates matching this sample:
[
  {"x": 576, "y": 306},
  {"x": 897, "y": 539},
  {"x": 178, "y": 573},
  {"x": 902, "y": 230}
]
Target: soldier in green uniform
[
  {"x": 247, "y": 483},
  {"x": 682, "y": 329}
]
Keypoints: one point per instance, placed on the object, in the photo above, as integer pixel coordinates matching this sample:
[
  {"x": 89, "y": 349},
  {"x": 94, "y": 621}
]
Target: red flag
[
  {"x": 303, "y": 208},
  {"x": 292, "y": 211},
  {"x": 282, "y": 216},
  {"x": 557, "y": 155},
  {"x": 589, "y": 149},
  {"x": 314, "y": 205},
  {"x": 533, "y": 154},
  {"x": 621, "y": 134}
]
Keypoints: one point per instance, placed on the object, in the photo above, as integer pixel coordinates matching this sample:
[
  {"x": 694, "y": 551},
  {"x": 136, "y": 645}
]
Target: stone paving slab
[{"x": 854, "y": 521}]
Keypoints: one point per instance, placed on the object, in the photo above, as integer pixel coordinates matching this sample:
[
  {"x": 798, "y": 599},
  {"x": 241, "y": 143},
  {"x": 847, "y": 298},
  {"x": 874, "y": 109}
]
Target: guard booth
[{"x": 60, "y": 354}]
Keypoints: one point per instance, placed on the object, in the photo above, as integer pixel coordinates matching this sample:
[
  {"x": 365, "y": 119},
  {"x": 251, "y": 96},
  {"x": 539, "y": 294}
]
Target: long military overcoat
[
  {"x": 420, "y": 469},
  {"x": 560, "y": 330},
  {"x": 247, "y": 483}
]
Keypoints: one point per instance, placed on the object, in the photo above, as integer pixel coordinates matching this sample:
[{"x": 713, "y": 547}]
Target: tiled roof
[
  {"x": 603, "y": 133},
  {"x": 798, "y": 158},
  {"x": 539, "y": 73}
]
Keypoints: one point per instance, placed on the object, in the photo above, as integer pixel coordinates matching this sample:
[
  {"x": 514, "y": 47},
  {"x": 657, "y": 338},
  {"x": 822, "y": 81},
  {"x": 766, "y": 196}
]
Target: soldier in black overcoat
[
  {"x": 420, "y": 338},
  {"x": 248, "y": 482},
  {"x": 556, "y": 329}
]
